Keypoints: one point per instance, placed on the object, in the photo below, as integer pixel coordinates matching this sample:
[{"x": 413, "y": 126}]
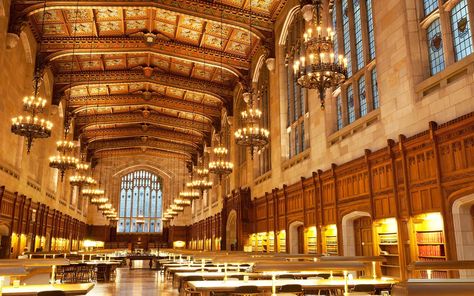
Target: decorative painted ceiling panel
[{"x": 104, "y": 22}]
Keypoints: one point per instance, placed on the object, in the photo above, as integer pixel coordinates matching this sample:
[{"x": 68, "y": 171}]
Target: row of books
[
  {"x": 430, "y": 251},
  {"x": 430, "y": 237},
  {"x": 434, "y": 274},
  {"x": 431, "y": 259}
]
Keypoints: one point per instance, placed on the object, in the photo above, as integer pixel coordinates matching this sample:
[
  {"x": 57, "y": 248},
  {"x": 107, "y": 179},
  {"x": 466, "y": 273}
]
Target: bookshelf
[
  {"x": 282, "y": 241},
  {"x": 271, "y": 241},
  {"x": 387, "y": 240},
  {"x": 330, "y": 240},
  {"x": 430, "y": 241},
  {"x": 311, "y": 241}
]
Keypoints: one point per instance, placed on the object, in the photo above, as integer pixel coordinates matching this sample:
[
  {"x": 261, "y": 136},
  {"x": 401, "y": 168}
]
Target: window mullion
[{"x": 448, "y": 48}]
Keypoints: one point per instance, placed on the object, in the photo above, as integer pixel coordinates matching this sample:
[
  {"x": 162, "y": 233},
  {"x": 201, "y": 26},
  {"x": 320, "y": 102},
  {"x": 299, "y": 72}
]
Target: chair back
[
  {"x": 51, "y": 293},
  {"x": 246, "y": 291},
  {"x": 367, "y": 288},
  {"x": 291, "y": 289},
  {"x": 286, "y": 276}
]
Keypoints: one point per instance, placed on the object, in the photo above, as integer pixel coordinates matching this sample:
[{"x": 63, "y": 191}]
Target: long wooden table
[
  {"x": 68, "y": 289},
  {"x": 206, "y": 287},
  {"x": 141, "y": 258}
]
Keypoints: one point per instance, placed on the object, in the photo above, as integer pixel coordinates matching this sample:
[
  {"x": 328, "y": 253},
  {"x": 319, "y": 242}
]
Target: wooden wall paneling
[
  {"x": 276, "y": 218},
  {"x": 2, "y": 191},
  {"x": 318, "y": 207},
  {"x": 367, "y": 153},
  {"x": 14, "y": 213},
  {"x": 285, "y": 217},
  {"x": 448, "y": 223},
  {"x": 407, "y": 197}
]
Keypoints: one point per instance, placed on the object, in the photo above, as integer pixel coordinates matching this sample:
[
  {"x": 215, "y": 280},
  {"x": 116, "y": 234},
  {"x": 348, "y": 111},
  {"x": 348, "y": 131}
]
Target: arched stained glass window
[
  {"x": 362, "y": 97},
  {"x": 140, "y": 202},
  {"x": 350, "y": 104},
  {"x": 358, "y": 35},
  {"x": 435, "y": 47},
  {"x": 370, "y": 25},
  {"x": 462, "y": 36},
  {"x": 375, "y": 89},
  {"x": 346, "y": 35}
]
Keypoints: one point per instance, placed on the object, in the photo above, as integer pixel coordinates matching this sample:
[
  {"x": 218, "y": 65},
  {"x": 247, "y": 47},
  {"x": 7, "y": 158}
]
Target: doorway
[
  {"x": 231, "y": 232},
  {"x": 296, "y": 237},
  {"x": 362, "y": 242},
  {"x": 463, "y": 216},
  {"x": 363, "y": 236}
]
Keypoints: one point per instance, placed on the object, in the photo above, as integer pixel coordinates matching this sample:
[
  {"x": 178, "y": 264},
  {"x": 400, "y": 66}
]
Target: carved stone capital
[{"x": 270, "y": 62}]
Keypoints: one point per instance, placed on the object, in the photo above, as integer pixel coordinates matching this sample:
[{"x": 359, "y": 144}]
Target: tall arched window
[
  {"x": 297, "y": 104},
  {"x": 353, "y": 24},
  {"x": 264, "y": 155},
  {"x": 140, "y": 202}
]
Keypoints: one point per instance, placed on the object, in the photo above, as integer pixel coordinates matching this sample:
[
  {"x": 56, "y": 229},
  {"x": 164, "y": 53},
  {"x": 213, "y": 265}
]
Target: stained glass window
[
  {"x": 435, "y": 47},
  {"x": 375, "y": 89},
  {"x": 350, "y": 104},
  {"x": 140, "y": 203},
  {"x": 462, "y": 37},
  {"x": 340, "y": 123},
  {"x": 430, "y": 6},
  {"x": 362, "y": 97},
  {"x": 346, "y": 36},
  {"x": 334, "y": 26},
  {"x": 358, "y": 35},
  {"x": 296, "y": 95},
  {"x": 370, "y": 25}
]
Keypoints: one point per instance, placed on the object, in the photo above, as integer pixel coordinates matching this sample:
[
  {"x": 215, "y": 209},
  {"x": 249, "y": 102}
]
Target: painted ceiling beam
[
  {"x": 80, "y": 104},
  {"x": 64, "y": 81},
  {"x": 55, "y": 48}
]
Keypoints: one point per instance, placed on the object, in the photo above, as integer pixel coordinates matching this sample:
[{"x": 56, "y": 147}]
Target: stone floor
[{"x": 135, "y": 282}]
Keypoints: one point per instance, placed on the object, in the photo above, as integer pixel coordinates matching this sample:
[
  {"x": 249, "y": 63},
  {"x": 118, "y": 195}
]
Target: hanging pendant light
[
  {"x": 32, "y": 126},
  {"x": 316, "y": 65},
  {"x": 220, "y": 166},
  {"x": 251, "y": 134},
  {"x": 64, "y": 161}
]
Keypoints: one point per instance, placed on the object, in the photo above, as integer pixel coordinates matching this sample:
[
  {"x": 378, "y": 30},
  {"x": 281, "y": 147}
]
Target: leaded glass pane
[
  {"x": 346, "y": 36},
  {"x": 370, "y": 25},
  {"x": 334, "y": 27},
  {"x": 350, "y": 104},
  {"x": 358, "y": 35},
  {"x": 462, "y": 37},
  {"x": 375, "y": 89},
  {"x": 339, "y": 112},
  {"x": 435, "y": 47},
  {"x": 362, "y": 97},
  {"x": 430, "y": 6}
]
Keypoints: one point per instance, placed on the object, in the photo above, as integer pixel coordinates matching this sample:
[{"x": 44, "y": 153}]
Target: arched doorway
[
  {"x": 296, "y": 237},
  {"x": 231, "y": 231},
  {"x": 5, "y": 241},
  {"x": 463, "y": 218},
  {"x": 357, "y": 234}
]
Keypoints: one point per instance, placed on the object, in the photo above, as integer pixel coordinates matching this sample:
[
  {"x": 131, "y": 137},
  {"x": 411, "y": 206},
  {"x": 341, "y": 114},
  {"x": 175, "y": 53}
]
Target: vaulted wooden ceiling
[{"x": 147, "y": 75}]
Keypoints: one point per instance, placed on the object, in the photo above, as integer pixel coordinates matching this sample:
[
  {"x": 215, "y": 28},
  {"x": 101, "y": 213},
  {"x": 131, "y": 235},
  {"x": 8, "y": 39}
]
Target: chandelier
[
  {"x": 220, "y": 166},
  {"x": 200, "y": 179},
  {"x": 63, "y": 161},
  {"x": 98, "y": 200},
  {"x": 251, "y": 134},
  {"x": 317, "y": 67},
  {"x": 183, "y": 201},
  {"x": 106, "y": 206},
  {"x": 177, "y": 208},
  {"x": 81, "y": 178},
  {"x": 31, "y": 126},
  {"x": 189, "y": 194}
]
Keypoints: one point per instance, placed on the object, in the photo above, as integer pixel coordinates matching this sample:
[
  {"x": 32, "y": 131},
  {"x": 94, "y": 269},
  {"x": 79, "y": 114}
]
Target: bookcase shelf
[
  {"x": 311, "y": 241},
  {"x": 387, "y": 240},
  {"x": 330, "y": 240},
  {"x": 429, "y": 241}
]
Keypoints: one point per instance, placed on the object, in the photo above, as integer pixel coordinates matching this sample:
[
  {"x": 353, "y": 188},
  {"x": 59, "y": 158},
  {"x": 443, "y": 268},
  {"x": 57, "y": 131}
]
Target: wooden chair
[
  {"x": 364, "y": 288},
  {"x": 246, "y": 291},
  {"x": 51, "y": 293},
  {"x": 188, "y": 291},
  {"x": 293, "y": 288}
]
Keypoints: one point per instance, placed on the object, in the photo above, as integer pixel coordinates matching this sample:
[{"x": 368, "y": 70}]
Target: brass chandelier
[
  {"x": 200, "y": 179},
  {"x": 32, "y": 126},
  {"x": 317, "y": 67},
  {"x": 251, "y": 134},
  {"x": 64, "y": 160},
  {"x": 220, "y": 166},
  {"x": 81, "y": 177}
]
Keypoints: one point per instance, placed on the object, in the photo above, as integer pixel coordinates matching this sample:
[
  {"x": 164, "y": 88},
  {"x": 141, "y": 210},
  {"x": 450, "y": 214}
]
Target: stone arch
[
  {"x": 231, "y": 230},
  {"x": 463, "y": 213},
  {"x": 293, "y": 236},
  {"x": 286, "y": 25},
  {"x": 28, "y": 47},
  {"x": 348, "y": 240},
  {"x": 258, "y": 66}
]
